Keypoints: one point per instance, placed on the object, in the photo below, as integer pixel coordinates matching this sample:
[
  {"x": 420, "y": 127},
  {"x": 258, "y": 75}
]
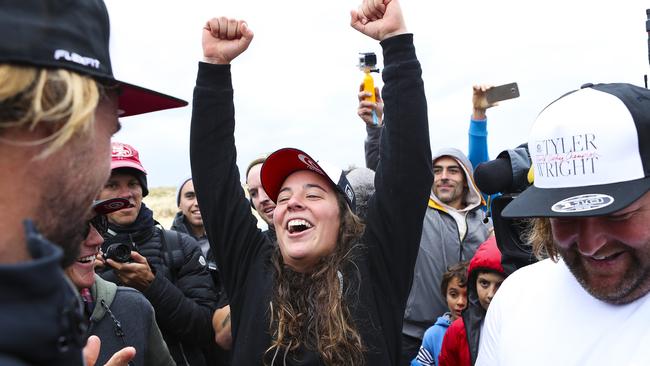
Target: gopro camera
[{"x": 367, "y": 60}]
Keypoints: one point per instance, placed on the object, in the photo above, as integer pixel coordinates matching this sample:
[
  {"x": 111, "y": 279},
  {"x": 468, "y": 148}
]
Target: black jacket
[
  {"x": 184, "y": 298},
  {"x": 179, "y": 224},
  {"x": 394, "y": 221}
]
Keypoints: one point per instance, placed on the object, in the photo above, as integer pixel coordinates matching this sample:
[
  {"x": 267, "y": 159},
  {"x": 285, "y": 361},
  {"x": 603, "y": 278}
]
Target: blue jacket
[{"x": 432, "y": 342}]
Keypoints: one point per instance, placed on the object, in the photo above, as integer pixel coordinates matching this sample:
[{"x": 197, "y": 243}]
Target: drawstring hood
[{"x": 473, "y": 197}]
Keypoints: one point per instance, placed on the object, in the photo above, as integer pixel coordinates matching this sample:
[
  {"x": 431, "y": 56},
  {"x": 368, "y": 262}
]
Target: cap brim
[
  {"x": 583, "y": 201},
  {"x": 117, "y": 164},
  {"x": 107, "y": 206},
  {"x": 281, "y": 164},
  {"x": 134, "y": 100}
]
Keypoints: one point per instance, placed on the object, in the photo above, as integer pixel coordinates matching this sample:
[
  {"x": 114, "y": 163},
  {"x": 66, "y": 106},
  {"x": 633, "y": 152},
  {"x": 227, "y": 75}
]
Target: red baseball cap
[
  {"x": 284, "y": 162},
  {"x": 125, "y": 156}
]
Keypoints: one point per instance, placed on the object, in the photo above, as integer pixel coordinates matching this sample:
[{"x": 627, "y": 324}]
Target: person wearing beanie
[
  {"x": 166, "y": 266},
  {"x": 188, "y": 219}
]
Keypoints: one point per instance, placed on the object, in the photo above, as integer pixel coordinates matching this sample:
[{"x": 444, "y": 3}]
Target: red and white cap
[
  {"x": 125, "y": 156},
  {"x": 284, "y": 162}
]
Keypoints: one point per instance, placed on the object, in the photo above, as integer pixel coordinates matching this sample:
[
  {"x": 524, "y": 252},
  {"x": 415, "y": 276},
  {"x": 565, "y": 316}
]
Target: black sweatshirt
[{"x": 394, "y": 222}]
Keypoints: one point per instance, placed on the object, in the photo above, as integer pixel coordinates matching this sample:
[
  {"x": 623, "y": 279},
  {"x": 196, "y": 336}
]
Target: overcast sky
[{"x": 297, "y": 83}]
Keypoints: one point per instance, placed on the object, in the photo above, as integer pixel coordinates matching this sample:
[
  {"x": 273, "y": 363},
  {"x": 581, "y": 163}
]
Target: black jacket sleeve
[
  {"x": 403, "y": 176},
  {"x": 185, "y": 309},
  {"x": 229, "y": 222},
  {"x": 371, "y": 146}
]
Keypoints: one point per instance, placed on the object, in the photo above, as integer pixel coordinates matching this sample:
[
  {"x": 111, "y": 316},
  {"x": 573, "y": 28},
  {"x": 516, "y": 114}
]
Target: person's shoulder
[
  {"x": 134, "y": 298},
  {"x": 520, "y": 282},
  {"x": 440, "y": 327},
  {"x": 543, "y": 267}
]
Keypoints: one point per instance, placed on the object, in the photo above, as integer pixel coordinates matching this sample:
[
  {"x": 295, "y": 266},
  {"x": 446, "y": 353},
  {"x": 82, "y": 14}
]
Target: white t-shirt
[{"x": 541, "y": 315}]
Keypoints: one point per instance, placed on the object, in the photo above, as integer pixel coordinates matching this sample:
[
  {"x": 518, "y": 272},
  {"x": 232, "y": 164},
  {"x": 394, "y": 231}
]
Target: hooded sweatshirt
[
  {"x": 441, "y": 246},
  {"x": 432, "y": 342},
  {"x": 472, "y": 199},
  {"x": 460, "y": 345}
]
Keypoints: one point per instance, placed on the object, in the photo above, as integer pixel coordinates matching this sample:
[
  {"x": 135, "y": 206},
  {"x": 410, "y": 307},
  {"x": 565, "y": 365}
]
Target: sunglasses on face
[{"x": 99, "y": 222}]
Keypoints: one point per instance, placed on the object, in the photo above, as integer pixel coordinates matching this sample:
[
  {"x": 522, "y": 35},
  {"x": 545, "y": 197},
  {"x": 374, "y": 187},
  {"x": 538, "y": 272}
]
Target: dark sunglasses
[{"x": 99, "y": 222}]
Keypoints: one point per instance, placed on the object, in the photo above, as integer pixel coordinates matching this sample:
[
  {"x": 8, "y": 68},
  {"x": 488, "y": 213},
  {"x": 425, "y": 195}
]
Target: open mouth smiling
[
  {"x": 87, "y": 259},
  {"x": 298, "y": 226}
]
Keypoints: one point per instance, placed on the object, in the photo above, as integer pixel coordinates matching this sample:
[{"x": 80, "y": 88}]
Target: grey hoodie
[
  {"x": 440, "y": 247},
  {"x": 123, "y": 317}
]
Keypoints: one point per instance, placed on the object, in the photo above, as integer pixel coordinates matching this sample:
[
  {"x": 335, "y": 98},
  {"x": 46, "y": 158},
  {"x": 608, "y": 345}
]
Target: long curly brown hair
[{"x": 309, "y": 310}]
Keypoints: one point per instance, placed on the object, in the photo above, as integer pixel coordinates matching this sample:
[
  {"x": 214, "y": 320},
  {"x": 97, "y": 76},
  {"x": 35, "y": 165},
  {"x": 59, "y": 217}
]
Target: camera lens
[{"x": 118, "y": 252}]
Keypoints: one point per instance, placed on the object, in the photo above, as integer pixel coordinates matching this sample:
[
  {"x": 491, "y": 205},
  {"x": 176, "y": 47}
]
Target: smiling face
[
  {"x": 123, "y": 185},
  {"x": 608, "y": 255},
  {"x": 189, "y": 206},
  {"x": 82, "y": 271},
  {"x": 261, "y": 202},
  {"x": 306, "y": 219},
  {"x": 449, "y": 182}
]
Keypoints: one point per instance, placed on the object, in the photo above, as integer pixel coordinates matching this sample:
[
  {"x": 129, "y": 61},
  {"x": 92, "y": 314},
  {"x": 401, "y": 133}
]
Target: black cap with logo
[{"x": 72, "y": 35}]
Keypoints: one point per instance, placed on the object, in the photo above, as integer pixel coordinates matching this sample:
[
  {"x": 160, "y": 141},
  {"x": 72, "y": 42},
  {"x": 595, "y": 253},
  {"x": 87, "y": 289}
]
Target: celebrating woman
[{"x": 332, "y": 290}]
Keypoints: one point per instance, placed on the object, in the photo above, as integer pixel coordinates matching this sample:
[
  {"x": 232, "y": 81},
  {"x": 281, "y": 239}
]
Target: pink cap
[{"x": 125, "y": 156}]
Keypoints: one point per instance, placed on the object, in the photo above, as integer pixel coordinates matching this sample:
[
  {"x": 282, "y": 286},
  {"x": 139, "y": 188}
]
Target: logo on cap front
[
  {"x": 310, "y": 163},
  {"x": 121, "y": 151},
  {"x": 582, "y": 203}
]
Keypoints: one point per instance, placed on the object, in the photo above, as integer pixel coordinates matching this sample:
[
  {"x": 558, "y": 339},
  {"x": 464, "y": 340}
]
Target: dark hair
[
  {"x": 459, "y": 271},
  {"x": 311, "y": 309}
]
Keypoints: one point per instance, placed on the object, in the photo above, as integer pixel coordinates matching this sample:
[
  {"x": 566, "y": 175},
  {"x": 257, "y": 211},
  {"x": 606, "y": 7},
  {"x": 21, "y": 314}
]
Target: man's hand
[
  {"x": 224, "y": 39},
  {"x": 136, "y": 274},
  {"x": 366, "y": 107},
  {"x": 120, "y": 358},
  {"x": 479, "y": 101},
  {"x": 378, "y": 19}
]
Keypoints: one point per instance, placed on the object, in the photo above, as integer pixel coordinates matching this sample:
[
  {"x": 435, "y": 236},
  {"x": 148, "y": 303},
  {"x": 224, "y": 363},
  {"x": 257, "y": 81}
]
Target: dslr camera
[{"x": 118, "y": 252}]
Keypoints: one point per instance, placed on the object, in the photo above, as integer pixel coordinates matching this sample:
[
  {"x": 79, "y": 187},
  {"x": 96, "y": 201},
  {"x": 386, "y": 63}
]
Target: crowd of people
[{"x": 402, "y": 262}]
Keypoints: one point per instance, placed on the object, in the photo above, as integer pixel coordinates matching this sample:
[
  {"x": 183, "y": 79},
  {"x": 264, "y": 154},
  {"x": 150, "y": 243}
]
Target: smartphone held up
[{"x": 502, "y": 92}]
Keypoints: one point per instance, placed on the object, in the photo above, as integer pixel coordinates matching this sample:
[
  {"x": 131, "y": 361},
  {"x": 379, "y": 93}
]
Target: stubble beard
[{"x": 634, "y": 283}]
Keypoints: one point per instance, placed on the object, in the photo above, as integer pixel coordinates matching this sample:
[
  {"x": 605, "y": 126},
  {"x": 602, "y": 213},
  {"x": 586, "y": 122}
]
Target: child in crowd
[
  {"x": 453, "y": 287},
  {"x": 484, "y": 276}
]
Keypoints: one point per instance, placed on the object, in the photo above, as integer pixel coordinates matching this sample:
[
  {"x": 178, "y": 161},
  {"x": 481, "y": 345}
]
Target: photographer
[
  {"x": 589, "y": 301},
  {"x": 167, "y": 267}
]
